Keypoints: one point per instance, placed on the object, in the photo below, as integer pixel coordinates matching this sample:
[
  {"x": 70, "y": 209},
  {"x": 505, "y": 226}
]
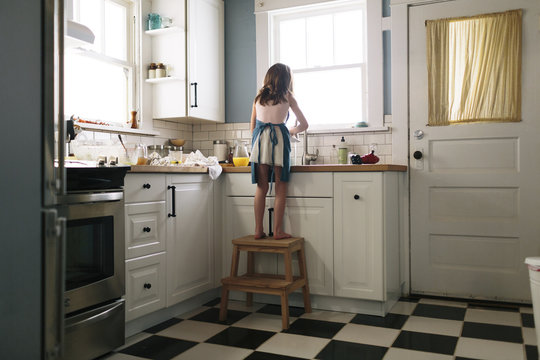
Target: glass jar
[
  {"x": 175, "y": 154},
  {"x": 152, "y": 71},
  {"x": 159, "y": 149},
  {"x": 160, "y": 71},
  {"x": 140, "y": 155},
  {"x": 154, "y": 21}
]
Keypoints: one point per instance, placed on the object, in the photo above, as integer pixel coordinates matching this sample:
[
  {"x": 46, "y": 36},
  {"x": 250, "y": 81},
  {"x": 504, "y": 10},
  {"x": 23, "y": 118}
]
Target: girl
[{"x": 271, "y": 145}]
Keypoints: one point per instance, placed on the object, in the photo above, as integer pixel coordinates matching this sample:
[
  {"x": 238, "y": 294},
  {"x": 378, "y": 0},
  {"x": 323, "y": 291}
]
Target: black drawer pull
[
  {"x": 146, "y": 229},
  {"x": 146, "y": 186},
  {"x": 147, "y": 285},
  {"x": 356, "y": 197}
]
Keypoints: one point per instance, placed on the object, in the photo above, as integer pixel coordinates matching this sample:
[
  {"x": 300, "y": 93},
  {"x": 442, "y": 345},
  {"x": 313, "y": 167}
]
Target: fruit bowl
[{"x": 177, "y": 142}]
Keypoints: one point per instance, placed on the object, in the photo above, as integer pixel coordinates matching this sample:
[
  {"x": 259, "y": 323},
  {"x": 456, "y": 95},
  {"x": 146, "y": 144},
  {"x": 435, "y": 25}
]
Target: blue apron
[{"x": 286, "y": 170}]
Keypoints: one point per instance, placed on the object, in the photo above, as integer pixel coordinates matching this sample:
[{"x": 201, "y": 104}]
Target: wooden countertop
[{"x": 247, "y": 169}]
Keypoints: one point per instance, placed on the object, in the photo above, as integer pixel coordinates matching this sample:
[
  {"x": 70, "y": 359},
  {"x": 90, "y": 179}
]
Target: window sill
[
  {"x": 117, "y": 130},
  {"x": 348, "y": 131}
]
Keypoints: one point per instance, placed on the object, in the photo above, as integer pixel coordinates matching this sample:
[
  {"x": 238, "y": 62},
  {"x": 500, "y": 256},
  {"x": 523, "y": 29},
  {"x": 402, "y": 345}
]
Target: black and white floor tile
[{"x": 415, "y": 329}]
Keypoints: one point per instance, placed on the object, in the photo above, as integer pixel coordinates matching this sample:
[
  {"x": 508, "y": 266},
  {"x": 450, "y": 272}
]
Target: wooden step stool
[{"x": 252, "y": 282}]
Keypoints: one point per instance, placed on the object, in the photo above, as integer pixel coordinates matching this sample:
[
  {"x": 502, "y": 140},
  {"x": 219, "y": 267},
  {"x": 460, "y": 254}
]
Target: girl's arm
[
  {"x": 300, "y": 118},
  {"x": 253, "y": 118}
]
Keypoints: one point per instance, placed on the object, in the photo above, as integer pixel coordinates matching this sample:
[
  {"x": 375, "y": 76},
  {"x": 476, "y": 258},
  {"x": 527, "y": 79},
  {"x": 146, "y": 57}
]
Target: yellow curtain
[{"x": 474, "y": 69}]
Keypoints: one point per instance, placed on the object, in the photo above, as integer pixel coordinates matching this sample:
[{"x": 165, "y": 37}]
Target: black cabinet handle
[
  {"x": 356, "y": 197},
  {"x": 147, "y": 285},
  {"x": 146, "y": 186},
  {"x": 173, "y": 188},
  {"x": 195, "y": 85},
  {"x": 270, "y": 232},
  {"x": 146, "y": 229}
]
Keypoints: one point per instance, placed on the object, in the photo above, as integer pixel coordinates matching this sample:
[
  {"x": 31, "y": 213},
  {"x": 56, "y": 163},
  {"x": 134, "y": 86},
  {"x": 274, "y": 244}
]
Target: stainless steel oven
[{"x": 94, "y": 272}]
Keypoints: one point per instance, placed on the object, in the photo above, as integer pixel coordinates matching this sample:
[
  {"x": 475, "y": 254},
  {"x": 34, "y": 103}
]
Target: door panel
[{"x": 475, "y": 191}]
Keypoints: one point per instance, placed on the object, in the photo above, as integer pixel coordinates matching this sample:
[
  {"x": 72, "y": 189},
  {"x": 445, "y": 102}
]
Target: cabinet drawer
[
  {"x": 145, "y": 285},
  {"x": 145, "y": 228},
  {"x": 318, "y": 184},
  {"x": 144, "y": 187}
]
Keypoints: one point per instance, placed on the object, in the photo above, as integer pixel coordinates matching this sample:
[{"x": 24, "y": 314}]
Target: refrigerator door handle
[{"x": 54, "y": 283}]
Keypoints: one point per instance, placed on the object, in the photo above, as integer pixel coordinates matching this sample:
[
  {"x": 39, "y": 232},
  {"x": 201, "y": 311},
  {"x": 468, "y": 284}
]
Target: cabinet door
[
  {"x": 206, "y": 59},
  {"x": 190, "y": 245},
  {"x": 358, "y": 237},
  {"x": 145, "y": 285},
  {"x": 239, "y": 220},
  {"x": 145, "y": 228},
  {"x": 311, "y": 218}
]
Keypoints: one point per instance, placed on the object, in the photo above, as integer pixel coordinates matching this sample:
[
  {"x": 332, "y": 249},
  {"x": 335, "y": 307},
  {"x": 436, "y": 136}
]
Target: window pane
[
  {"x": 90, "y": 15},
  {"x": 330, "y": 97},
  {"x": 320, "y": 50},
  {"x": 115, "y": 31},
  {"x": 349, "y": 37},
  {"x": 292, "y": 43},
  {"x": 95, "y": 89}
]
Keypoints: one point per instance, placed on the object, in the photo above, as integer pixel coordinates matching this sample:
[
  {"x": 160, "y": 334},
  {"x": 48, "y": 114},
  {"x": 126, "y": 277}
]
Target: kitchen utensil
[{"x": 124, "y": 146}]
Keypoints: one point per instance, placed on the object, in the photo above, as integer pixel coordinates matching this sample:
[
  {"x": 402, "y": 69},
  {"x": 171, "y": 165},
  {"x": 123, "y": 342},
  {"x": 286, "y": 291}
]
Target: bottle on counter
[
  {"x": 342, "y": 151},
  {"x": 160, "y": 71},
  {"x": 152, "y": 71}
]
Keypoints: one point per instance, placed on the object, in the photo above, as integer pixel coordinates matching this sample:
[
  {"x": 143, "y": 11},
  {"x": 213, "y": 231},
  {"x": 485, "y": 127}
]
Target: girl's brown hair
[{"x": 277, "y": 83}]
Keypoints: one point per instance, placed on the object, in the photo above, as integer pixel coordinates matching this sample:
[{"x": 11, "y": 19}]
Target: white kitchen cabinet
[
  {"x": 190, "y": 247},
  {"x": 366, "y": 242},
  {"x": 308, "y": 217},
  {"x": 311, "y": 218},
  {"x": 145, "y": 285},
  {"x": 145, "y": 243},
  {"x": 238, "y": 221},
  {"x": 194, "y": 52}
]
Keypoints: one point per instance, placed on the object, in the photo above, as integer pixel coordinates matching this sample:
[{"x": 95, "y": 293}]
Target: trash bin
[{"x": 533, "y": 263}]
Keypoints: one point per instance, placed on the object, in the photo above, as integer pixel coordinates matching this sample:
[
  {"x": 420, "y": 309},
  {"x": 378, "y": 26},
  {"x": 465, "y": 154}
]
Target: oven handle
[
  {"x": 91, "y": 197},
  {"x": 98, "y": 317},
  {"x": 173, "y": 188}
]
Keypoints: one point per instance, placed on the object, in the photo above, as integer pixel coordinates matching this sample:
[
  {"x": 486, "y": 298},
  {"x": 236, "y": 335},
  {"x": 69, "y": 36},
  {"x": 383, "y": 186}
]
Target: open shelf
[
  {"x": 163, "y": 80},
  {"x": 167, "y": 30}
]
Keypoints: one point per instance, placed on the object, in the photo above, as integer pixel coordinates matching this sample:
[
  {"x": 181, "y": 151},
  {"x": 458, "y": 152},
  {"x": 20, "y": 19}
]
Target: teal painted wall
[{"x": 240, "y": 60}]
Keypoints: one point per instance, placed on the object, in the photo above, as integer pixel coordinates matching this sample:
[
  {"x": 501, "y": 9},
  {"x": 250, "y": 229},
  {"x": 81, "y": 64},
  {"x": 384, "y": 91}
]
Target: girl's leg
[
  {"x": 279, "y": 205},
  {"x": 260, "y": 199}
]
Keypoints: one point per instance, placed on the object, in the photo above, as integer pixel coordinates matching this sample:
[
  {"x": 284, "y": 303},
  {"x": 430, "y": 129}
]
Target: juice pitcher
[{"x": 240, "y": 154}]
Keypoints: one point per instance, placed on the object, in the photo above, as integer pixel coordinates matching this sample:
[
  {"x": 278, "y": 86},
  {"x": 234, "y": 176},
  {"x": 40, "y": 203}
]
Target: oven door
[{"x": 94, "y": 249}]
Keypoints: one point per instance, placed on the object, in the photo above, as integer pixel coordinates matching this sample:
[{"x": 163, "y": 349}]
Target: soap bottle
[{"x": 342, "y": 151}]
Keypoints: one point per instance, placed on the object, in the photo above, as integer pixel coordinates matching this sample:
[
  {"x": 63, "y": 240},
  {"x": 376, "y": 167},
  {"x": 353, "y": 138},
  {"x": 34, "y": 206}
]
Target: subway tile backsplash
[{"x": 201, "y": 137}]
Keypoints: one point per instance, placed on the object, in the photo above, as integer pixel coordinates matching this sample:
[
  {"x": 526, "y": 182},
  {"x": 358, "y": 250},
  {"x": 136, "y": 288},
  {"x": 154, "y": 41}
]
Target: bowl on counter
[{"x": 177, "y": 142}]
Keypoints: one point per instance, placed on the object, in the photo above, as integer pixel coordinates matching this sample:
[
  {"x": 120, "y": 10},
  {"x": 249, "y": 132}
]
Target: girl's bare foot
[
  {"x": 282, "y": 235},
  {"x": 259, "y": 236}
]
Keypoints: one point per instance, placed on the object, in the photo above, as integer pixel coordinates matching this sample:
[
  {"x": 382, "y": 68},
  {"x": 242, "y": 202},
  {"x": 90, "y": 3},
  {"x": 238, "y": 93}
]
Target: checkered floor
[{"x": 415, "y": 329}]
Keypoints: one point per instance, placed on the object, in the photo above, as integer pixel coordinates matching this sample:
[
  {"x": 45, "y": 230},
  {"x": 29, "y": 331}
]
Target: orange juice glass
[{"x": 240, "y": 161}]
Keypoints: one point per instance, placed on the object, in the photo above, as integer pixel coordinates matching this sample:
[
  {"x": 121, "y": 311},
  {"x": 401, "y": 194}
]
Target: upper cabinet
[{"x": 192, "y": 49}]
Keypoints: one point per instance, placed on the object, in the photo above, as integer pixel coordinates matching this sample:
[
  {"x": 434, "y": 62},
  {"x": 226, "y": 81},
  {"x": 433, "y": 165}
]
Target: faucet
[{"x": 307, "y": 158}]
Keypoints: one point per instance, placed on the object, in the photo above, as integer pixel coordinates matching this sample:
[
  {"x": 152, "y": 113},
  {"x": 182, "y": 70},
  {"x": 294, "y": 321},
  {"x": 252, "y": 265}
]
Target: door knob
[
  {"x": 417, "y": 155},
  {"x": 418, "y": 134}
]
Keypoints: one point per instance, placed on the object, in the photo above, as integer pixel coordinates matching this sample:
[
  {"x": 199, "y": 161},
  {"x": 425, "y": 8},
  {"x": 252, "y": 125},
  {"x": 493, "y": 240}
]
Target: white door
[
  {"x": 475, "y": 194},
  {"x": 206, "y": 59}
]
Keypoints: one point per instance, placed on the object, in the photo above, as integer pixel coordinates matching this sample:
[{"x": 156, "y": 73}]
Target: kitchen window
[
  {"x": 99, "y": 79},
  {"x": 334, "y": 49}
]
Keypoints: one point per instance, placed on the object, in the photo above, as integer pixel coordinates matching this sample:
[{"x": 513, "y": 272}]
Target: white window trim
[
  {"x": 375, "y": 111},
  {"x": 130, "y": 64}
]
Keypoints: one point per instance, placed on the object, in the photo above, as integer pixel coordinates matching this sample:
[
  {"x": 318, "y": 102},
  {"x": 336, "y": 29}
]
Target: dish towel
[{"x": 198, "y": 159}]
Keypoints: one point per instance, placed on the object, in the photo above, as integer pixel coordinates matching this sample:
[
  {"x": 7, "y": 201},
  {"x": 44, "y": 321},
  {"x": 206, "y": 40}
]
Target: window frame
[
  {"x": 129, "y": 65},
  {"x": 374, "y": 34}
]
